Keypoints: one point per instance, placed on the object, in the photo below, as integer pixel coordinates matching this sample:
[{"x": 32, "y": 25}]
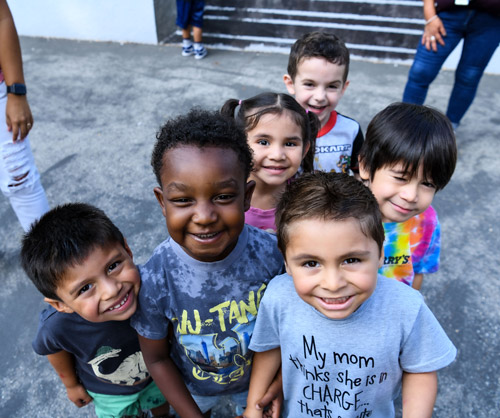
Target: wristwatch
[{"x": 17, "y": 89}]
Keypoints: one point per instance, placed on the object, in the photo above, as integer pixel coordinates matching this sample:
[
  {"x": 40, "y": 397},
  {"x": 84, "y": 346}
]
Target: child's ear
[
  {"x": 346, "y": 84},
  {"x": 287, "y": 269},
  {"x": 306, "y": 148},
  {"x": 159, "y": 196},
  {"x": 364, "y": 173},
  {"x": 127, "y": 248},
  {"x": 59, "y": 305},
  {"x": 249, "y": 188},
  {"x": 381, "y": 261},
  {"x": 289, "y": 84}
]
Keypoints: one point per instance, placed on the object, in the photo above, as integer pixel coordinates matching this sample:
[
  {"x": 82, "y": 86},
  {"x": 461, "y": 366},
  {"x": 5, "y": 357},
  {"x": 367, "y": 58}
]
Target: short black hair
[
  {"x": 251, "y": 110},
  {"x": 328, "y": 196},
  {"x": 201, "y": 129},
  {"x": 61, "y": 239},
  {"x": 411, "y": 134},
  {"x": 318, "y": 45}
]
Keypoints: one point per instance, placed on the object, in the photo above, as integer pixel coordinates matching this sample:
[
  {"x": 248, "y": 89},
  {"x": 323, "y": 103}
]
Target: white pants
[{"x": 19, "y": 177}]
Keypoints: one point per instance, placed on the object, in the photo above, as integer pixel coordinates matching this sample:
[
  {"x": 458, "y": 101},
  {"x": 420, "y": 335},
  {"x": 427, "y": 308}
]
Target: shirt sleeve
[
  {"x": 427, "y": 347},
  {"x": 426, "y": 243},
  {"x": 45, "y": 342},
  {"x": 150, "y": 320},
  {"x": 266, "y": 334}
]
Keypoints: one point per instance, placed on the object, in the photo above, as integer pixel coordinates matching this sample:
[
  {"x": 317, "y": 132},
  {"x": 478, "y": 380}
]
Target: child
[
  {"x": 409, "y": 154},
  {"x": 317, "y": 75},
  {"x": 190, "y": 14},
  {"x": 279, "y": 132},
  {"x": 206, "y": 280},
  {"x": 78, "y": 259},
  {"x": 347, "y": 340}
]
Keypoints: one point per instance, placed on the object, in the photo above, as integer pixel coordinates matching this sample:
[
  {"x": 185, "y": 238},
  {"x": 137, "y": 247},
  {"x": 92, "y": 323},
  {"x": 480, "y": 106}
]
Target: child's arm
[
  {"x": 64, "y": 364},
  {"x": 419, "y": 394},
  {"x": 264, "y": 368},
  {"x": 417, "y": 281},
  {"x": 167, "y": 377}
]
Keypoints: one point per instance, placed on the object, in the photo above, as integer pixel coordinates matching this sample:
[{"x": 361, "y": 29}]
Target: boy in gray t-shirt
[
  {"x": 347, "y": 339},
  {"x": 206, "y": 280}
]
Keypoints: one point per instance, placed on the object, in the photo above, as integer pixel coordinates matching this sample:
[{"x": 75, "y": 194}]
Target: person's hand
[
  {"x": 18, "y": 116},
  {"x": 433, "y": 34},
  {"x": 78, "y": 395}
]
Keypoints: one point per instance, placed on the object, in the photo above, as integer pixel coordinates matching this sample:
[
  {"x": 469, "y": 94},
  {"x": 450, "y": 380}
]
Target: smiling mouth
[
  {"x": 275, "y": 168},
  {"x": 206, "y": 236},
  {"x": 316, "y": 108},
  {"x": 122, "y": 302},
  {"x": 336, "y": 301}
]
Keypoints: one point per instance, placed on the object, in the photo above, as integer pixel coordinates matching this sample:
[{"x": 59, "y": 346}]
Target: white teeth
[
  {"x": 337, "y": 300},
  {"x": 204, "y": 236},
  {"x": 120, "y": 304}
]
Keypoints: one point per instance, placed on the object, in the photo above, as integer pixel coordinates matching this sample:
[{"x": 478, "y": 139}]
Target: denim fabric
[
  {"x": 481, "y": 34},
  {"x": 190, "y": 13},
  {"x": 19, "y": 177}
]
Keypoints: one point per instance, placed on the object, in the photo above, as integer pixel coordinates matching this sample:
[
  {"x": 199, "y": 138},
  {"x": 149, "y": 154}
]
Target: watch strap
[{"x": 17, "y": 88}]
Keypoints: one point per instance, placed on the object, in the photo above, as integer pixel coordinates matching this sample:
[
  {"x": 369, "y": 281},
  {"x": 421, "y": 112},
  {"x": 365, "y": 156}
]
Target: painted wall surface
[{"x": 93, "y": 20}]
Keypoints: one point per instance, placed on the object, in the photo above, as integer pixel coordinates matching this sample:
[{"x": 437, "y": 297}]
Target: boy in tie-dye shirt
[{"x": 408, "y": 155}]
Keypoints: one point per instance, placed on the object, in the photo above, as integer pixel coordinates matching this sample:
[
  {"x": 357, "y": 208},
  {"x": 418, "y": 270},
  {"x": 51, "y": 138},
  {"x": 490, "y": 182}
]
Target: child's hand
[
  {"x": 78, "y": 395},
  {"x": 251, "y": 413}
]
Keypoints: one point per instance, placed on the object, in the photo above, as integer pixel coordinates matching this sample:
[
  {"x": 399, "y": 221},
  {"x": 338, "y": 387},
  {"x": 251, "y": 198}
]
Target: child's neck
[{"x": 266, "y": 196}]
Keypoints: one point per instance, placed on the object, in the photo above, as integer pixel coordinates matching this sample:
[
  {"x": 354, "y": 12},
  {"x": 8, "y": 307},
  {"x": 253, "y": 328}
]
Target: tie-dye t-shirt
[
  {"x": 412, "y": 247},
  {"x": 212, "y": 307}
]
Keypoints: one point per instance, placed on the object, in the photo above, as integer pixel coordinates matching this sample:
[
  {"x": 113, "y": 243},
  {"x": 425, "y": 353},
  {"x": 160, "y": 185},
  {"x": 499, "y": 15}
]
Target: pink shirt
[{"x": 261, "y": 218}]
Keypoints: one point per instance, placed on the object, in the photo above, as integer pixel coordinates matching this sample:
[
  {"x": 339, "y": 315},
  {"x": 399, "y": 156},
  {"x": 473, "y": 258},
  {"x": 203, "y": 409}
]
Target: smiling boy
[
  {"x": 318, "y": 66},
  {"x": 347, "y": 340},
  {"x": 79, "y": 260},
  {"x": 206, "y": 280}
]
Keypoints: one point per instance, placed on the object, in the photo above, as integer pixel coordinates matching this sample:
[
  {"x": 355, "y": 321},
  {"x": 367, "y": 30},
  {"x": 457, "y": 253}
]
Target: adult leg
[
  {"x": 426, "y": 64},
  {"x": 480, "y": 42},
  {"x": 19, "y": 177}
]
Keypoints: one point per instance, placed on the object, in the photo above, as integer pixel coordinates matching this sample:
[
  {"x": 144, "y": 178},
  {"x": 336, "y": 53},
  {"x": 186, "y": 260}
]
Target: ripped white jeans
[{"x": 19, "y": 177}]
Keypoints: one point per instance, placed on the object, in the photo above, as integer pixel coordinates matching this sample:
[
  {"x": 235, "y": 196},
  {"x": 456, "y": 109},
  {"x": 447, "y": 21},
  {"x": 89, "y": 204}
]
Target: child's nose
[
  {"x": 277, "y": 152},
  {"x": 204, "y": 214},
  {"x": 110, "y": 287},
  {"x": 319, "y": 95},
  {"x": 410, "y": 192},
  {"x": 332, "y": 280}
]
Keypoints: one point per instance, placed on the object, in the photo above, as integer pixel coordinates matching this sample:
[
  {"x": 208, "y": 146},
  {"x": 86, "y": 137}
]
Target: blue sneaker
[
  {"x": 187, "y": 50},
  {"x": 200, "y": 53}
]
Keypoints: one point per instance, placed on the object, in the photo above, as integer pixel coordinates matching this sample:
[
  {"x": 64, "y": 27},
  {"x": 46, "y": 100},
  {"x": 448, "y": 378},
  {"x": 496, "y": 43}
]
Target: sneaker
[
  {"x": 187, "y": 50},
  {"x": 200, "y": 53}
]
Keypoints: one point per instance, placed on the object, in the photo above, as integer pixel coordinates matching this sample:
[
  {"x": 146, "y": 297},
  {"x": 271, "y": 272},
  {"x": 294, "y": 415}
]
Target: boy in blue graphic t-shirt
[
  {"x": 206, "y": 280},
  {"x": 79, "y": 260}
]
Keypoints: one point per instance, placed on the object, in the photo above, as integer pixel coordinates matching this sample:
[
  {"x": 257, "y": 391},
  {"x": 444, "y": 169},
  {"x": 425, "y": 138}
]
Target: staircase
[{"x": 372, "y": 29}]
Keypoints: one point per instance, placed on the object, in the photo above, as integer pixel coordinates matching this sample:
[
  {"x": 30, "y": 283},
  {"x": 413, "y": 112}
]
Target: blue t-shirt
[
  {"x": 108, "y": 358},
  {"x": 350, "y": 367},
  {"x": 211, "y": 306}
]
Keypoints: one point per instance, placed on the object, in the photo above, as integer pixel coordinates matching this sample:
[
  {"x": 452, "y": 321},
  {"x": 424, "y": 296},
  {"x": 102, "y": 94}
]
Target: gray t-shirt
[
  {"x": 212, "y": 307},
  {"x": 350, "y": 367}
]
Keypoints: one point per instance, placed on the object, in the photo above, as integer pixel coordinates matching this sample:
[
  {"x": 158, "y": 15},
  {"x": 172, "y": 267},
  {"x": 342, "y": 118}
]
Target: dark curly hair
[
  {"x": 318, "y": 45},
  {"x": 201, "y": 128},
  {"x": 330, "y": 197}
]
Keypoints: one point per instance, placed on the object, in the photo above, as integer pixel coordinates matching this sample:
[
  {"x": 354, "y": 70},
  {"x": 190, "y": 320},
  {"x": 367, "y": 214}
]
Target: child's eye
[
  {"x": 429, "y": 184},
  {"x": 112, "y": 266},
  {"x": 311, "y": 264},
  {"x": 180, "y": 201},
  {"x": 399, "y": 178},
  {"x": 307, "y": 84},
  {"x": 225, "y": 197},
  {"x": 352, "y": 260},
  {"x": 263, "y": 142},
  {"x": 291, "y": 144},
  {"x": 333, "y": 87},
  {"x": 85, "y": 288}
]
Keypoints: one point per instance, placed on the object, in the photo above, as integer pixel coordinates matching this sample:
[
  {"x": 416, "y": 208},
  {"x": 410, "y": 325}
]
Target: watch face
[{"x": 17, "y": 88}]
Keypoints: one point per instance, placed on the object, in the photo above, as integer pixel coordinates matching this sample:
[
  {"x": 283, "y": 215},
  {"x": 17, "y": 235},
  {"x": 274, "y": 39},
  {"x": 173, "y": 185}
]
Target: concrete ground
[{"x": 97, "y": 107}]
